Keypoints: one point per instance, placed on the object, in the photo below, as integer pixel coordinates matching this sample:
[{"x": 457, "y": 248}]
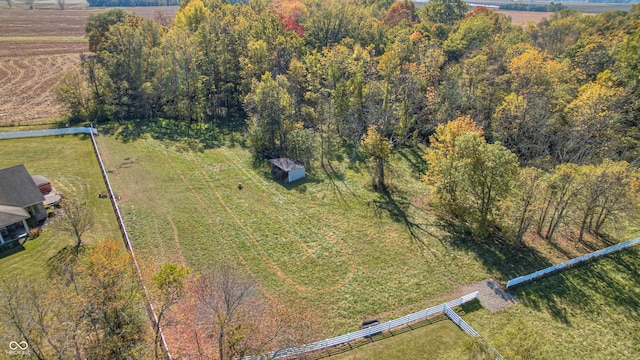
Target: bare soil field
[
  {"x": 36, "y": 47},
  {"x": 523, "y": 18}
]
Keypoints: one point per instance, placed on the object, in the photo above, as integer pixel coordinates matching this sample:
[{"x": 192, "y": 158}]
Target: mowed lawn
[
  {"x": 71, "y": 166},
  {"x": 432, "y": 341},
  {"x": 332, "y": 246},
  {"x": 347, "y": 252},
  {"x": 590, "y": 312}
]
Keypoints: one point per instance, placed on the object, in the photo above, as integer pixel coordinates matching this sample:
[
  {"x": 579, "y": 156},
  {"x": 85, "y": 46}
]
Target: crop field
[{"x": 36, "y": 47}]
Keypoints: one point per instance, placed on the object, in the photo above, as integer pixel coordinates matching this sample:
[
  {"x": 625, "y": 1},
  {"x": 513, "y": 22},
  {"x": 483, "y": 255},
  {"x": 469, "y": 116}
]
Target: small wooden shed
[{"x": 287, "y": 169}]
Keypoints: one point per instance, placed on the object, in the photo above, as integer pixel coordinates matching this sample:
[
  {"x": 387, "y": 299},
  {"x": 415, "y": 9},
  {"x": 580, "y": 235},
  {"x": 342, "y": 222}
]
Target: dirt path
[{"x": 491, "y": 295}]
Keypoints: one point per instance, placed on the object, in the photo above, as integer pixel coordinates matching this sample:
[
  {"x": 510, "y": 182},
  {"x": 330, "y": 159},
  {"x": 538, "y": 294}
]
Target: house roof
[
  {"x": 17, "y": 188},
  {"x": 286, "y": 164},
  {"x": 12, "y": 214},
  {"x": 40, "y": 180}
]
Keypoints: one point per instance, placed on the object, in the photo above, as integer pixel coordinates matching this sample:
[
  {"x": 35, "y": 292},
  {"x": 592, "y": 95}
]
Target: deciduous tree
[
  {"x": 98, "y": 25},
  {"x": 170, "y": 283},
  {"x": 442, "y": 159},
  {"x": 240, "y": 321},
  {"x": 379, "y": 148},
  {"x": 271, "y": 112},
  {"x": 444, "y": 11},
  {"x": 76, "y": 218}
]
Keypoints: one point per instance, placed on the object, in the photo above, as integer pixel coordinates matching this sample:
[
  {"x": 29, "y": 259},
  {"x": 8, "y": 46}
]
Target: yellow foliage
[
  {"x": 376, "y": 144},
  {"x": 191, "y": 16},
  {"x": 446, "y": 134}
]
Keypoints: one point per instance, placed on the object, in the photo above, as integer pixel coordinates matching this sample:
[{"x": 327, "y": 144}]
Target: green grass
[
  {"x": 427, "y": 342},
  {"x": 336, "y": 247},
  {"x": 70, "y": 164},
  {"x": 590, "y": 312},
  {"x": 349, "y": 253}
]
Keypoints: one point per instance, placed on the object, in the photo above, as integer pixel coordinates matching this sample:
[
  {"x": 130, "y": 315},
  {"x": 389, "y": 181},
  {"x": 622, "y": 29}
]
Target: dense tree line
[
  {"x": 323, "y": 80},
  {"x": 551, "y": 7},
  {"x": 114, "y": 3}
]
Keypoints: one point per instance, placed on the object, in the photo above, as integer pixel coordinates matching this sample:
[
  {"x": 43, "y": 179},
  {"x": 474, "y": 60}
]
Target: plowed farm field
[{"x": 36, "y": 47}]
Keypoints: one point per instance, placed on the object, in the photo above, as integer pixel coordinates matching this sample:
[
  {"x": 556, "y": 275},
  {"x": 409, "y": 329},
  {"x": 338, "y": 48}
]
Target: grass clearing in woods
[{"x": 339, "y": 248}]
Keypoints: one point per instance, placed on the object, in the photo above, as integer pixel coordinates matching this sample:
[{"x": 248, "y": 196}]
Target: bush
[{"x": 34, "y": 233}]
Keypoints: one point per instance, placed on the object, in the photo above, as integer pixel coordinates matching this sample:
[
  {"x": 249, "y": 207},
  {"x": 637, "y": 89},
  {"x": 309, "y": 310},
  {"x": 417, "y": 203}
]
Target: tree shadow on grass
[
  {"x": 508, "y": 260},
  {"x": 415, "y": 159},
  {"x": 336, "y": 181},
  {"x": 397, "y": 205},
  {"x": 609, "y": 284},
  {"x": 592, "y": 289},
  {"x": 191, "y": 135}
]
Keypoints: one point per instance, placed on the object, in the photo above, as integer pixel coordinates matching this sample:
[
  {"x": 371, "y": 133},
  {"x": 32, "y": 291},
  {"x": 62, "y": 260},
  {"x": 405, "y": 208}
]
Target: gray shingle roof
[
  {"x": 17, "y": 188},
  {"x": 286, "y": 164},
  {"x": 40, "y": 180},
  {"x": 12, "y": 214}
]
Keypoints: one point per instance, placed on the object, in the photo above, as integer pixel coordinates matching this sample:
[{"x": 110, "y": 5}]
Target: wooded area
[
  {"x": 319, "y": 81},
  {"x": 528, "y": 131}
]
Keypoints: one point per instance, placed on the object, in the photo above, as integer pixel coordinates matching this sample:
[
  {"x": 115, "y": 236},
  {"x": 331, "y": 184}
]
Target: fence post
[{"x": 151, "y": 311}]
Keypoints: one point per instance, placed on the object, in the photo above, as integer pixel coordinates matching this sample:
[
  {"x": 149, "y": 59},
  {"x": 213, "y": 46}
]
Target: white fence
[
  {"x": 125, "y": 234},
  {"x": 49, "y": 132},
  {"x": 370, "y": 331},
  {"x": 573, "y": 262},
  {"x": 458, "y": 321}
]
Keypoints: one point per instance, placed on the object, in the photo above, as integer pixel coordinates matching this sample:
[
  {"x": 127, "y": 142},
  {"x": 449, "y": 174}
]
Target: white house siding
[{"x": 296, "y": 174}]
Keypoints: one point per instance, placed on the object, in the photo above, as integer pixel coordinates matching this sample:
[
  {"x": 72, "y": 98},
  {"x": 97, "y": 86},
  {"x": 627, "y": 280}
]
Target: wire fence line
[
  {"x": 453, "y": 316},
  {"x": 573, "y": 262},
  {"x": 91, "y": 132},
  {"x": 464, "y": 326},
  {"x": 151, "y": 311},
  {"x": 48, "y": 132},
  {"x": 370, "y": 331}
]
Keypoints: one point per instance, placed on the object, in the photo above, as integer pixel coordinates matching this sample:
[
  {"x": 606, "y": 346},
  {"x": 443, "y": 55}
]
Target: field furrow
[{"x": 26, "y": 90}]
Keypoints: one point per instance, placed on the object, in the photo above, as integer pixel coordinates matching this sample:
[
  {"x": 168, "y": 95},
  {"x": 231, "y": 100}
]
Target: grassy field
[
  {"x": 427, "y": 342},
  {"x": 331, "y": 243},
  {"x": 591, "y": 312},
  {"x": 70, "y": 164},
  {"x": 341, "y": 249}
]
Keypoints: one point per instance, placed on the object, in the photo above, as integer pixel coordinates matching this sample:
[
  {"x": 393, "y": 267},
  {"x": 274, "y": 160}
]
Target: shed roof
[
  {"x": 17, "y": 187},
  {"x": 286, "y": 164},
  {"x": 40, "y": 180},
  {"x": 12, "y": 214}
]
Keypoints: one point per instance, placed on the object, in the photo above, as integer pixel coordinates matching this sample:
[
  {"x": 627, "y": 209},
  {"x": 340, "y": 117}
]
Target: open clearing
[{"x": 348, "y": 253}]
